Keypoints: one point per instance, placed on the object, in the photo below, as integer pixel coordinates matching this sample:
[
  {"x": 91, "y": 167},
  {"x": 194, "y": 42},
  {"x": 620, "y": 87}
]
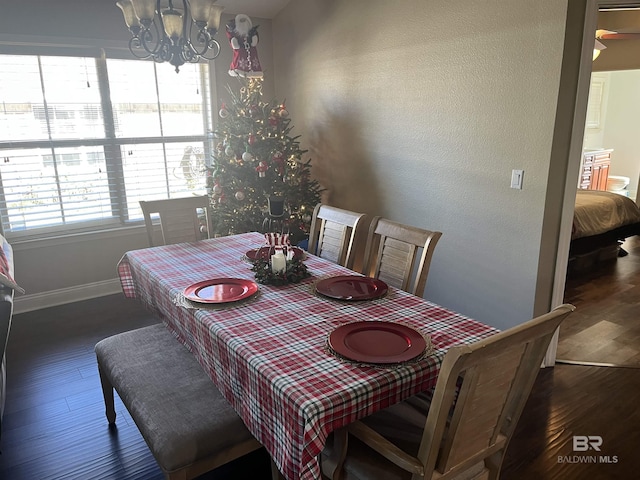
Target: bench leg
[{"x": 107, "y": 393}]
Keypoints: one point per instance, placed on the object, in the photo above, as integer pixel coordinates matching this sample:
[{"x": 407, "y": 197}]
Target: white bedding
[{"x": 597, "y": 212}]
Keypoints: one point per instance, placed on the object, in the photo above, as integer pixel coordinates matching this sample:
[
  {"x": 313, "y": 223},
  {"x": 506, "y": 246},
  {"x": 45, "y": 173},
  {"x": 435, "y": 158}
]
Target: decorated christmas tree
[{"x": 258, "y": 180}]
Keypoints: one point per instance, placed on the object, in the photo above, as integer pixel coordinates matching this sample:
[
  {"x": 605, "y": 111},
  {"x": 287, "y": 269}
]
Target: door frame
[{"x": 575, "y": 79}]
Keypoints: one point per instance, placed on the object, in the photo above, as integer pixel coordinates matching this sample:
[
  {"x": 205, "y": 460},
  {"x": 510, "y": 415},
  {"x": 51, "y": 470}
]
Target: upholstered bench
[{"x": 187, "y": 424}]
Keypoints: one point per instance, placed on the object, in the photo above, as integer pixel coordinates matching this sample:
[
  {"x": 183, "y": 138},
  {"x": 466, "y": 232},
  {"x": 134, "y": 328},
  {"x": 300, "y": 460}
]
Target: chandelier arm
[
  {"x": 202, "y": 38},
  {"x": 153, "y": 44},
  {"x": 136, "y": 49},
  {"x": 214, "y": 46}
]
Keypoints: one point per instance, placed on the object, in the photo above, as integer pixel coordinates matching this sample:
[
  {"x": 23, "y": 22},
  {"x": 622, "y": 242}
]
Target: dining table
[{"x": 270, "y": 354}]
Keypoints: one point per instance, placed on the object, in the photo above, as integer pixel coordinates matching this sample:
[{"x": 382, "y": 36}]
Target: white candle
[{"x": 278, "y": 261}]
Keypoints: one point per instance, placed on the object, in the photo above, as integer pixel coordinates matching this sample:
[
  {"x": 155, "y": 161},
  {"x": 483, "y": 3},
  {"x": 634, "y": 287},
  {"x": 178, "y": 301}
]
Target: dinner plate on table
[
  {"x": 377, "y": 342},
  {"x": 221, "y": 290},
  {"x": 264, "y": 253},
  {"x": 352, "y": 288}
]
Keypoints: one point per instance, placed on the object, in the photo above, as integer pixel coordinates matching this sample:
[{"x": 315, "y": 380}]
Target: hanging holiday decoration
[
  {"x": 224, "y": 113},
  {"x": 243, "y": 37},
  {"x": 262, "y": 169},
  {"x": 260, "y": 159}
]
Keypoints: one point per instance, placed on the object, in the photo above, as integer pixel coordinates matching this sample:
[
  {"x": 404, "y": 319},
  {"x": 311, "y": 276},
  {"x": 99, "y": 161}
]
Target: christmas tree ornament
[
  {"x": 239, "y": 195},
  {"x": 252, "y": 139},
  {"x": 262, "y": 169},
  {"x": 278, "y": 160},
  {"x": 247, "y": 157},
  {"x": 217, "y": 189},
  {"x": 229, "y": 151},
  {"x": 223, "y": 112}
]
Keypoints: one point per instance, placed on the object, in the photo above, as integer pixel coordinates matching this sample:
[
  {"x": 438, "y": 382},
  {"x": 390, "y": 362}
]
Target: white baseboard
[{"x": 28, "y": 303}]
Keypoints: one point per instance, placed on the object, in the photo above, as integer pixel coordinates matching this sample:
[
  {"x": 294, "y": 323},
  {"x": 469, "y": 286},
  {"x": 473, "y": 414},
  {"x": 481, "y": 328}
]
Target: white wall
[{"x": 418, "y": 111}]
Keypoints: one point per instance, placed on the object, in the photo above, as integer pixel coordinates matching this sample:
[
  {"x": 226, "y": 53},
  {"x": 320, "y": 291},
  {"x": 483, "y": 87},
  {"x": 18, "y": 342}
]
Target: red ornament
[
  {"x": 283, "y": 113},
  {"x": 273, "y": 120},
  {"x": 278, "y": 160},
  {"x": 252, "y": 139}
]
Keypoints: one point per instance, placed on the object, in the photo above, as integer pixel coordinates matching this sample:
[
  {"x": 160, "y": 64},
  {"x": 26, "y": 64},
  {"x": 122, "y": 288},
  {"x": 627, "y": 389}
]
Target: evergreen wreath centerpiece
[
  {"x": 295, "y": 272},
  {"x": 278, "y": 265}
]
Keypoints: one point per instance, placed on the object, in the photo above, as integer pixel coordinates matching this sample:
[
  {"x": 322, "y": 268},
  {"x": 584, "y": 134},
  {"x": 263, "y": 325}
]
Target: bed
[{"x": 601, "y": 221}]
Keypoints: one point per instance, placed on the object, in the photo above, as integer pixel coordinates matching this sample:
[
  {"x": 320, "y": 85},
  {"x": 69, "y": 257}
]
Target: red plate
[
  {"x": 377, "y": 342},
  {"x": 352, "y": 287},
  {"x": 265, "y": 253},
  {"x": 220, "y": 290}
]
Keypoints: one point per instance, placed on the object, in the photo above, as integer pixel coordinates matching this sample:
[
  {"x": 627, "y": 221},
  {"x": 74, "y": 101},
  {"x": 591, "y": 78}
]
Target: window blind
[{"x": 83, "y": 140}]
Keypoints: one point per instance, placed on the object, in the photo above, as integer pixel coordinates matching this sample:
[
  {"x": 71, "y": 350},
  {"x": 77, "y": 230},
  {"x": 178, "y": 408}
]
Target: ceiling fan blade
[{"x": 620, "y": 36}]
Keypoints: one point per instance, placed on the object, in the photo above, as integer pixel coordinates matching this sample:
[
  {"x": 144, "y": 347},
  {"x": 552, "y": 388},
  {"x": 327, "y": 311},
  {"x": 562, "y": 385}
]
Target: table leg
[{"x": 332, "y": 464}]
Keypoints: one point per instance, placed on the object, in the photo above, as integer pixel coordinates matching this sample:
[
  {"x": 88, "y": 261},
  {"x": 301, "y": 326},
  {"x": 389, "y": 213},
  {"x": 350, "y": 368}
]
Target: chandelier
[{"x": 168, "y": 34}]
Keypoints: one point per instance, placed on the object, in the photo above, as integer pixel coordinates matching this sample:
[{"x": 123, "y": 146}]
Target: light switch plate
[{"x": 516, "y": 179}]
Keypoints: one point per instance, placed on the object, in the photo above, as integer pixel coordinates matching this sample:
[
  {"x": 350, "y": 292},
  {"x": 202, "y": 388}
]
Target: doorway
[{"x": 582, "y": 78}]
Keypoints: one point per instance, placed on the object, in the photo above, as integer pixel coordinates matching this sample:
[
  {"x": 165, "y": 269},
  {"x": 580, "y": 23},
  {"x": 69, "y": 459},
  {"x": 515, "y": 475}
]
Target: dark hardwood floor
[
  {"x": 604, "y": 329},
  {"x": 55, "y": 428}
]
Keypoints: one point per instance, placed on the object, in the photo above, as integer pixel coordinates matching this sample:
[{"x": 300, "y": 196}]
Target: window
[{"x": 83, "y": 140}]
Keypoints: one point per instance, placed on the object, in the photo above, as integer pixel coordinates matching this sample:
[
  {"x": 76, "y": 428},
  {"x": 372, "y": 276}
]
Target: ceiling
[
  {"x": 253, "y": 8},
  {"x": 623, "y": 54}
]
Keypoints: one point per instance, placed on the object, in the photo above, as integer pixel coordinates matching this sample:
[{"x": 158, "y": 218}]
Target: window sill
[{"x": 82, "y": 237}]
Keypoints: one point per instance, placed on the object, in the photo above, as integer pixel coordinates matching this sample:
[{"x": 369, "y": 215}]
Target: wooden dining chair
[
  {"x": 480, "y": 393},
  {"x": 181, "y": 219},
  {"x": 400, "y": 255},
  {"x": 333, "y": 234}
]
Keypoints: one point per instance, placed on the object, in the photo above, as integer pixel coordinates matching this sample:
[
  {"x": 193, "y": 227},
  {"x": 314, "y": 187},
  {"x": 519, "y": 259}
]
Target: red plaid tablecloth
[{"x": 267, "y": 355}]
